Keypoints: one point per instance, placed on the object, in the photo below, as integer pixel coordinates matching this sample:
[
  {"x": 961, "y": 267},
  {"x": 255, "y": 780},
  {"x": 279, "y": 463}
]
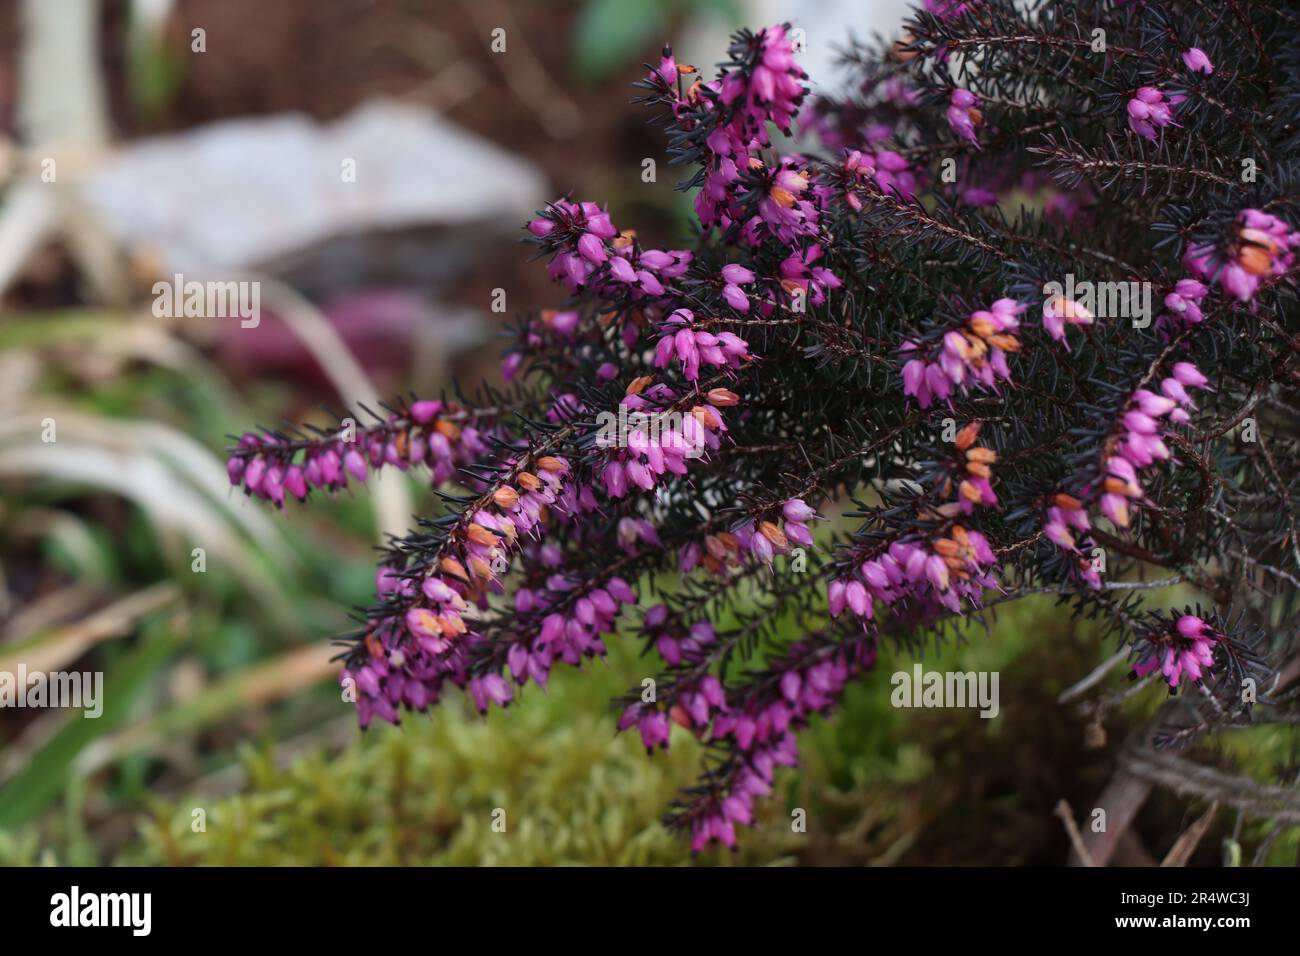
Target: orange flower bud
[
  {"x": 946, "y": 547},
  {"x": 454, "y": 568},
  {"x": 1256, "y": 237},
  {"x": 480, "y": 535},
  {"x": 966, "y": 437},
  {"x": 773, "y": 534},
  {"x": 1256, "y": 261},
  {"x": 706, "y": 416},
  {"x": 1115, "y": 486}
]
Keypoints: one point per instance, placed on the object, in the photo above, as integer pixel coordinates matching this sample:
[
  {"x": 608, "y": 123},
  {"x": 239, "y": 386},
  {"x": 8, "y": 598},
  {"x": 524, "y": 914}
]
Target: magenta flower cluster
[
  {"x": 964, "y": 115},
  {"x": 759, "y": 724},
  {"x": 1184, "y": 301},
  {"x": 703, "y": 409},
  {"x": 761, "y": 541},
  {"x": 434, "y": 434},
  {"x": 421, "y": 638},
  {"x": 1184, "y": 651},
  {"x": 1150, "y": 110},
  {"x": 973, "y": 356},
  {"x": 598, "y": 253},
  {"x": 1263, "y": 248},
  {"x": 693, "y": 347}
]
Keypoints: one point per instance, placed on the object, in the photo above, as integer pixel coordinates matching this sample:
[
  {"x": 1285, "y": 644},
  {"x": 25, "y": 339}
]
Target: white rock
[{"x": 235, "y": 194}]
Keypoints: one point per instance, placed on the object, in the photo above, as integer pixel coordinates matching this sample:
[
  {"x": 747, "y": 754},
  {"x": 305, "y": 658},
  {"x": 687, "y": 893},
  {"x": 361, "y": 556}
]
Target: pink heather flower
[
  {"x": 799, "y": 272},
  {"x": 1196, "y": 61},
  {"x": 770, "y": 92},
  {"x": 964, "y": 115},
  {"x": 735, "y": 298},
  {"x": 575, "y": 262},
  {"x": 796, "y": 509},
  {"x": 1149, "y": 111},
  {"x": 1151, "y": 404},
  {"x": 489, "y": 689},
  {"x": 511, "y": 365},
  {"x": 1184, "y": 301},
  {"x": 355, "y": 464},
  {"x": 622, "y": 270},
  {"x": 736, "y": 274},
  {"x": 1058, "y": 312},
  {"x": 774, "y": 89},
  {"x": 797, "y": 514},
  {"x": 592, "y": 249},
  {"x": 1066, "y": 517},
  {"x": 667, "y": 68},
  {"x": 254, "y": 475},
  {"x": 1185, "y": 373}
]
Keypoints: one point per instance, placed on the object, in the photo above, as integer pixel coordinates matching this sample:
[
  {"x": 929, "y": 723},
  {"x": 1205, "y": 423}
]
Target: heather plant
[{"x": 1022, "y": 300}]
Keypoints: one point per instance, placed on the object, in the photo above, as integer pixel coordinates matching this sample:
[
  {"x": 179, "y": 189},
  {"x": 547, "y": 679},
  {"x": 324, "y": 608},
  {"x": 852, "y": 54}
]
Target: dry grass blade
[
  {"x": 64, "y": 645},
  {"x": 236, "y": 693},
  {"x": 1181, "y": 852}
]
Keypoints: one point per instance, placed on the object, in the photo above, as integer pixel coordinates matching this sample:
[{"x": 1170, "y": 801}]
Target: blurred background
[{"x": 370, "y": 164}]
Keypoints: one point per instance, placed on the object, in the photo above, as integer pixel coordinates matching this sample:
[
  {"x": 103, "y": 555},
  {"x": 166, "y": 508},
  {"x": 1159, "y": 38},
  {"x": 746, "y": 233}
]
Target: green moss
[{"x": 439, "y": 791}]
